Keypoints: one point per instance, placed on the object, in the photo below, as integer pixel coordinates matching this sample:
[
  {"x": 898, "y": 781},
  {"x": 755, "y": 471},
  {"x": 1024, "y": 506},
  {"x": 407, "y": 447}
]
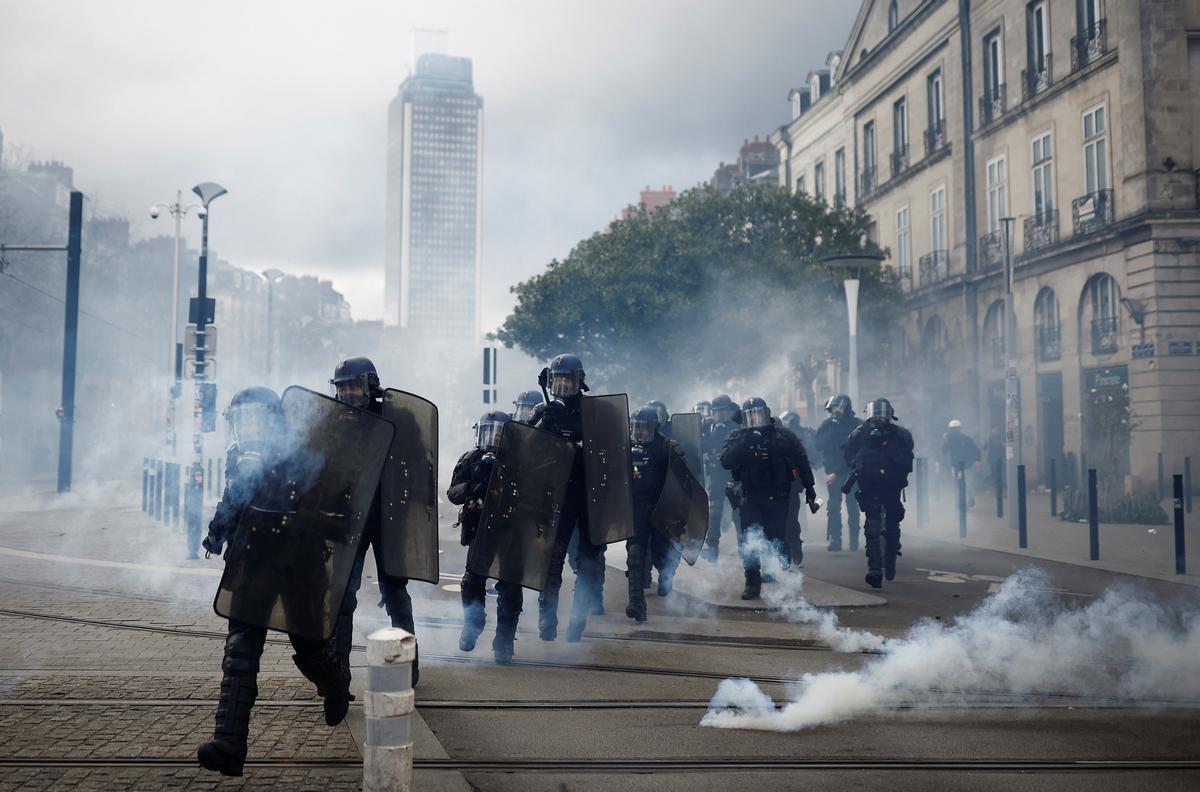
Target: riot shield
[
  {"x": 289, "y": 563},
  {"x": 682, "y": 509},
  {"x": 519, "y": 521},
  {"x": 409, "y": 488},
  {"x": 685, "y": 430},
  {"x": 606, "y": 469}
]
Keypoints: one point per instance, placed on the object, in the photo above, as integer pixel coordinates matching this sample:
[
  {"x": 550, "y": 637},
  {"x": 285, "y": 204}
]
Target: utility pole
[
  {"x": 1012, "y": 382},
  {"x": 66, "y": 410},
  {"x": 272, "y": 276}
]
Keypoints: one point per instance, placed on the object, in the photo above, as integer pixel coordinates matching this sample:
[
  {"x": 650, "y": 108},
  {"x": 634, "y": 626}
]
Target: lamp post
[
  {"x": 200, "y": 311},
  {"x": 272, "y": 276},
  {"x": 1012, "y": 383},
  {"x": 852, "y": 265},
  {"x": 177, "y": 211}
]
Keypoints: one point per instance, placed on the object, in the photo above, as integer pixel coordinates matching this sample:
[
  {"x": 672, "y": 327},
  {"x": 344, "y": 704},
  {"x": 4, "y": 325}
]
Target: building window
[
  {"x": 1047, "y": 325},
  {"x": 1091, "y": 42},
  {"x": 899, "y": 137},
  {"x": 1095, "y": 149},
  {"x": 819, "y": 181},
  {"x": 937, "y": 219},
  {"x": 868, "y": 174},
  {"x": 1037, "y": 24},
  {"x": 1043, "y": 175},
  {"x": 993, "y": 333},
  {"x": 997, "y": 192},
  {"x": 1101, "y": 297},
  {"x": 903, "y": 247},
  {"x": 800, "y": 187},
  {"x": 935, "y": 129},
  {"x": 893, "y": 16},
  {"x": 992, "y": 103},
  {"x": 839, "y": 177},
  {"x": 815, "y": 87}
]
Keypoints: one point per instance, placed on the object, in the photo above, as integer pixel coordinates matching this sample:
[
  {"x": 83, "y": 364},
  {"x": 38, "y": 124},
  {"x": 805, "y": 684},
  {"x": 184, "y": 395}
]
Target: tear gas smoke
[{"x": 1023, "y": 639}]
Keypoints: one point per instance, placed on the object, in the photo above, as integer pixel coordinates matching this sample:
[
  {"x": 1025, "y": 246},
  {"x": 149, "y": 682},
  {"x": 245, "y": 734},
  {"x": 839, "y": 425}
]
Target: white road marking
[{"x": 100, "y": 562}]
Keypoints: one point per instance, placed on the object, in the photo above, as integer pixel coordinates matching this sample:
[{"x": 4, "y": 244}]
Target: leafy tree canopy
[{"x": 715, "y": 288}]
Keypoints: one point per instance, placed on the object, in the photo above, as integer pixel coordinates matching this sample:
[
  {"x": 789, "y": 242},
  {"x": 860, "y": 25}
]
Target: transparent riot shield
[
  {"x": 519, "y": 522},
  {"x": 409, "y": 488},
  {"x": 606, "y": 470},
  {"x": 682, "y": 509},
  {"x": 685, "y": 430},
  {"x": 289, "y": 563}
]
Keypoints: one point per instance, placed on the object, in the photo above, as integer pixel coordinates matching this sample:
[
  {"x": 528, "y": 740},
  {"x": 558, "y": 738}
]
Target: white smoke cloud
[{"x": 1021, "y": 640}]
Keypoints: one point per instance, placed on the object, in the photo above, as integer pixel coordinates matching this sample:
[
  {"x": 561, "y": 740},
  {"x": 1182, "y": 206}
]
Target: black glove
[
  {"x": 212, "y": 544},
  {"x": 810, "y": 496}
]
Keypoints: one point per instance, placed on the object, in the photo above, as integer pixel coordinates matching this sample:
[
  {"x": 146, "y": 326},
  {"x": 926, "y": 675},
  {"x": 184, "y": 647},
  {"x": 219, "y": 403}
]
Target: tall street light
[
  {"x": 1012, "y": 383},
  {"x": 202, "y": 312},
  {"x": 851, "y": 266},
  {"x": 174, "y": 361},
  {"x": 272, "y": 276}
]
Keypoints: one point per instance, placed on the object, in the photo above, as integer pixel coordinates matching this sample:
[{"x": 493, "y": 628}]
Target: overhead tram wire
[{"x": 82, "y": 312}]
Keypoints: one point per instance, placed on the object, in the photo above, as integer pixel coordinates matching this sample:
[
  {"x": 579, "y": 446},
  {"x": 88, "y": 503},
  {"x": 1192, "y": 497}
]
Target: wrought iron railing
[
  {"x": 1035, "y": 80},
  {"x": 899, "y": 160},
  {"x": 992, "y": 104},
  {"x": 991, "y": 250},
  {"x": 1104, "y": 335},
  {"x": 1041, "y": 230},
  {"x": 867, "y": 180},
  {"x": 1092, "y": 212},
  {"x": 933, "y": 267},
  {"x": 935, "y": 137},
  {"x": 1049, "y": 342},
  {"x": 1090, "y": 45}
]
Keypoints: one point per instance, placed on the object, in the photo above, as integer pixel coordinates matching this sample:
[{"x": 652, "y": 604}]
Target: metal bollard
[
  {"x": 159, "y": 481},
  {"x": 1187, "y": 483},
  {"x": 145, "y": 481},
  {"x": 388, "y": 753},
  {"x": 1180, "y": 554},
  {"x": 1053, "y": 487},
  {"x": 1022, "y": 524},
  {"x": 922, "y": 473},
  {"x": 998, "y": 475},
  {"x": 209, "y": 480},
  {"x": 960, "y": 486},
  {"x": 1093, "y": 517}
]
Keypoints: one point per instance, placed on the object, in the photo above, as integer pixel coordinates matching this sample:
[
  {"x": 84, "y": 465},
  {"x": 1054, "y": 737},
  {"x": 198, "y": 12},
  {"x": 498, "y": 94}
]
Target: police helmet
[
  {"x": 724, "y": 410},
  {"x": 487, "y": 431},
  {"x": 704, "y": 408},
  {"x": 839, "y": 405},
  {"x": 356, "y": 369},
  {"x": 251, "y": 418},
  {"x": 643, "y": 424},
  {"x": 881, "y": 409},
  {"x": 523, "y": 405},
  {"x": 755, "y": 412},
  {"x": 567, "y": 377},
  {"x": 663, "y": 415},
  {"x": 790, "y": 420}
]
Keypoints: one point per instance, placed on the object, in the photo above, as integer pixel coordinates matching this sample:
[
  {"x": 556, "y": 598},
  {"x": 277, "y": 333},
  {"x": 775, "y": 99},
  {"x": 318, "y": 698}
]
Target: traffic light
[{"x": 208, "y": 407}]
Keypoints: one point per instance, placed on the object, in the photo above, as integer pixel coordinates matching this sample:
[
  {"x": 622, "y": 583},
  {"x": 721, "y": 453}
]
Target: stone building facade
[{"x": 1078, "y": 121}]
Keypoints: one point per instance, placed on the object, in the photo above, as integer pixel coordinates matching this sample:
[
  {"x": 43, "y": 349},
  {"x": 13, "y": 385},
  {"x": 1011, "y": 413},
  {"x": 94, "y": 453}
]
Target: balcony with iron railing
[
  {"x": 1041, "y": 230},
  {"x": 1049, "y": 342},
  {"x": 867, "y": 181},
  {"x": 933, "y": 268},
  {"x": 1092, "y": 212},
  {"x": 992, "y": 104},
  {"x": 991, "y": 250},
  {"x": 1035, "y": 79},
  {"x": 1104, "y": 335},
  {"x": 899, "y": 160},
  {"x": 1090, "y": 45},
  {"x": 935, "y": 137}
]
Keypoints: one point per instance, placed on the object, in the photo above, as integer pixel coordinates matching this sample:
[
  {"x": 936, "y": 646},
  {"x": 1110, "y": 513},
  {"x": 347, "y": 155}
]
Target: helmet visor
[
  {"x": 564, "y": 385},
  {"x": 488, "y": 434},
  {"x": 880, "y": 409},
  {"x": 641, "y": 431},
  {"x": 522, "y": 412},
  {"x": 705, "y": 410},
  {"x": 756, "y": 416},
  {"x": 250, "y": 425},
  {"x": 722, "y": 414},
  {"x": 352, "y": 392}
]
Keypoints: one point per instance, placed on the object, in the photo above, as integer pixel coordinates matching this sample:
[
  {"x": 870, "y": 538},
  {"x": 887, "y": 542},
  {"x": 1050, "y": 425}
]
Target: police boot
[
  {"x": 474, "y": 619},
  {"x": 874, "y": 562},
  {"x": 598, "y": 593},
  {"x": 225, "y": 753},
  {"x": 332, "y": 680},
  {"x": 891, "y": 551},
  {"x": 753, "y": 588},
  {"x": 507, "y": 614},
  {"x": 636, "y": 609},
  {"x": 548, "y": 615}
]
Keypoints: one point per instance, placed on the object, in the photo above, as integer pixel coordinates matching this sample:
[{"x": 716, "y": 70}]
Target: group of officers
[{"x": 313, "y": 481}]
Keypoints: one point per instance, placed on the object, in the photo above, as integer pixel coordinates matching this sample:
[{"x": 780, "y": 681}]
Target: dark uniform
[
  {"x": 765, "y": 459},
  {"x": 649, "y": 459},
  {"x": 468, "y": 485},
  {"x": 880, "y": 454},
  {"x": 317, "y": 660},
  {"x": 961, "y": 453},
  {"x": 807, "y": 437},
  {"x": 831, "y": 439},
  {"x": 716, "y": 432}
]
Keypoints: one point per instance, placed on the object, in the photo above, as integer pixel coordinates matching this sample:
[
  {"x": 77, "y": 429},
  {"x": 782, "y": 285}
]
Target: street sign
[
  {"x": 210, "y": 340},
  {"x": 202, "y": 313},
  {"x": 210, "y": 368}
]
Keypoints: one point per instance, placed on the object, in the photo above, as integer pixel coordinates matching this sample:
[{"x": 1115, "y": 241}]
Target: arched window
[
  {"x": 814, "y": 87},
  {"x": 1047, "y": 325},
  {"x": 993, "y": 333},
  {"x": 1099, "y": 309},
  {"x": 935, "y": 344},
  {"x": 893, "y": 16}
]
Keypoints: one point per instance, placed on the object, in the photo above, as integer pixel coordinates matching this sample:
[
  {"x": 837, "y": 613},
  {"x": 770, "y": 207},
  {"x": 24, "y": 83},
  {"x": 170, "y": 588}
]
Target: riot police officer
[
  {"x": 830, "y": 440},
  {"x": 880, "y": 455},
  {"x": 704, "y": 407},
  {"x": 795, "y": 544},
  {"x": 254, "y": 428},
  {"x": 725, "y": 417},
  {"x": 766, "y": 460},
  {"x": 468, "y": 485},
  {"x": 357, "y": 383},
  {"x": 562, "y": 415},
  {"x": 524, "y": 405},
  {"x": 650, "y": 452}
]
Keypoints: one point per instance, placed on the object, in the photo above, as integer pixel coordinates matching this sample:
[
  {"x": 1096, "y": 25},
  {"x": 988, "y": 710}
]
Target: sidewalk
[{"x": 1142, "y": 550}]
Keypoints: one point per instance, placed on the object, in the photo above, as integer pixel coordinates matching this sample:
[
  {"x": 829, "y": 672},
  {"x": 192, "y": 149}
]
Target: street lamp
[
  {"x": 1012, "y": 384},
  {"x": 200, "y": 310},
  {"x": 178, "y": 211},
  {"x": 272, "y": 275},
  {"x": 851, "y": 265}
]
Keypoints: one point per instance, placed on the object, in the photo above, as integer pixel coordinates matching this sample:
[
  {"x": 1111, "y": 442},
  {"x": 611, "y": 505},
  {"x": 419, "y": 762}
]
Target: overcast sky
[{"x": 284, "y": 103}]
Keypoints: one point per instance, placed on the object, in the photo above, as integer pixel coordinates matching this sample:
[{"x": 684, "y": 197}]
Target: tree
[{"x": 712, "y": 291}]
